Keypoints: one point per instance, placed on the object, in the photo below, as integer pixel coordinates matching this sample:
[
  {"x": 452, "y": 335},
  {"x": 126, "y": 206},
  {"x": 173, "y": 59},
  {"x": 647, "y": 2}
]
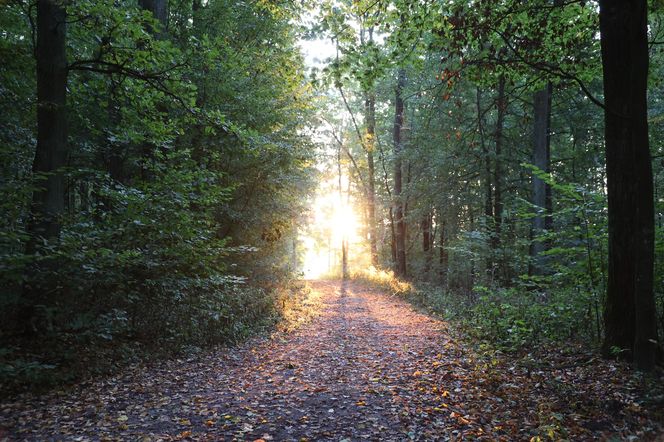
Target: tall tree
[
  {"x": 48, "y": 198},
  {"x": 630, "y": 306},
  {"x": 370, "y": 115},
  {"x": 541, "y": 159},
  {"x": 400, "y": 222},
  {"x": 501, "y": 105},
  {"x": 370, "y": 144}
]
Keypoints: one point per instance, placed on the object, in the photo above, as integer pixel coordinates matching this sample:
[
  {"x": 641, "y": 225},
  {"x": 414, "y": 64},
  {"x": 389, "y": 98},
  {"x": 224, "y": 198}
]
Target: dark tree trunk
[
  {"x": 488, "y": 190},
  {"x": 51, "y": 155},
  {"x": 443, "y": 260},
  {"x": 541, "y": 191},
  {"x": 370, "y": 113},
  {"x": 117, "y": 150},
  {"x": 393, "y": 238},
  {"x": 159, "y": 9},
  {"x": 426, "y": 241},
  {"x": 629, "y": 316},
  {"x": 344, "y": 240},
  {"x": 497, "y": 167},
  {"x": 400, "y": 224},
  {"x": 500, "y": 266}
]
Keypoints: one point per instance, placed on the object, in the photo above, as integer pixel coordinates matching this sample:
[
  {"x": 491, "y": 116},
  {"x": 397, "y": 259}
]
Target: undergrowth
[
  {"x": 101, "y": 345},
  {"x": 510, "y": 319}
]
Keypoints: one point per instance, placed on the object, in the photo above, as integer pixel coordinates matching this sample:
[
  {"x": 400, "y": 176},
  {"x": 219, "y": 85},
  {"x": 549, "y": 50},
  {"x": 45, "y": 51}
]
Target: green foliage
[{"x": 189, "y": 164}]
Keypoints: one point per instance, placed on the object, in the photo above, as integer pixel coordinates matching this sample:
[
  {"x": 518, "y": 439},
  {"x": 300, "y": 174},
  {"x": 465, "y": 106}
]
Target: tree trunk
[
  {"x": 159, "y": 9},
  {"x": 488, "y": 190},
  {"x": 541, "y": 191},
  {"x": 629, "y": 316},
  {"x": 426, "y": 242},
  {"x": 344, "y": 239},
  {"x": 497, "y": 180},
  {"x": 370, "y": 114},
  {"x": 400, "y": 226},
  {"x": 443, "y": 259},
  {"x": 51, "y": 155}
]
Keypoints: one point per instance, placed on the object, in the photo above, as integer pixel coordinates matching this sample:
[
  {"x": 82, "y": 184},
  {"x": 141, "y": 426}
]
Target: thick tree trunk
[
  {"x": 541, "y": 191},
  {"x": 370, "y": 115},
  {"x": 51, "y": 155},
  {"x": 629, "y": 316},
  {"x": 400, "y": 224}
]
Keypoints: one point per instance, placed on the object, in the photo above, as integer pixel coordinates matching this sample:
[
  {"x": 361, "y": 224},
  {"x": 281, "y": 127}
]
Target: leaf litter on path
[{"x": 369, "y": 367}]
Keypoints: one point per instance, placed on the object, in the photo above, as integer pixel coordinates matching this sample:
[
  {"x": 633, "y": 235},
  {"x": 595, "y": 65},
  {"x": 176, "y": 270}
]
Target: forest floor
[{"x": 369, "y": 367}]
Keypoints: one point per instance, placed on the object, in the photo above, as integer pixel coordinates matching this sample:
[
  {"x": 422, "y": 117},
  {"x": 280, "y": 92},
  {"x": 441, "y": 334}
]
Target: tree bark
[
  {"x": 497, "y": 167},
  {"x": 488, "y": 189},
  {"x": 51, "y": 155},
  {"x": 629, "y": 316},
  {"x": 400, "y": 224},
  {"x": 498, "y": 265},
  {"x": 443, "y": 259},
  {"x": 541, "y": 191},
  {"x": 370, "y": 114},
  {"x": 426, "y": 241}
]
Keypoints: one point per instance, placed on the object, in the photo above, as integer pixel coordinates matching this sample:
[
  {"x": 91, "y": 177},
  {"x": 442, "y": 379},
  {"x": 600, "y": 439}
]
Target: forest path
[{"x": 368, "y": 367}]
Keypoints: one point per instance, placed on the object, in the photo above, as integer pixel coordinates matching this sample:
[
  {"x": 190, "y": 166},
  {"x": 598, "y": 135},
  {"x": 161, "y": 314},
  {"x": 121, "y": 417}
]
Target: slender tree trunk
[
  {"x": 541, "y": 191},
  {"x": 117, "y": 150},
  {"x": 426, "y": 242},
  {"x": 393, "y": 238},
  {"x": 344, "y": 240},
  {"x": 400, "y": 226},
  {"x": 497, "y": 179},
  {"x": 488, "y": 190},
  {"x": 159, "y": 10},
  {"x": 630, "y": 305},
  {"x": 370, "y": 114},
  {"x": 51, "y": 155},
  {"x": 443, "y": 259}
]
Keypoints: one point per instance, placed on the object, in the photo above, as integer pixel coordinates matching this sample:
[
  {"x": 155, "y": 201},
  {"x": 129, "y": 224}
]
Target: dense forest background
[
  {"x": 159, "y": 158},
  {"x": 500, "y": 155}
]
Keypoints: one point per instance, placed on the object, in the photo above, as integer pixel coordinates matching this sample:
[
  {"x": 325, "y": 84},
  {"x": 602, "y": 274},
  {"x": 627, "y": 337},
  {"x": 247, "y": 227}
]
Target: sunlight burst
[{"x": 333, "y": 221}]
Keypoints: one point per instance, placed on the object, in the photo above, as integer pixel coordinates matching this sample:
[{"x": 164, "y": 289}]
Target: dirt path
[
  {"x": 364, "y": 369},
  {"x": 368, "y": 368}
]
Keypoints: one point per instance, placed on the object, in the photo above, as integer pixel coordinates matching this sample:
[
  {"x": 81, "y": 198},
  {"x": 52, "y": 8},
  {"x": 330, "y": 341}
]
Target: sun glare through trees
[{"x": 334, "y": 219}]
